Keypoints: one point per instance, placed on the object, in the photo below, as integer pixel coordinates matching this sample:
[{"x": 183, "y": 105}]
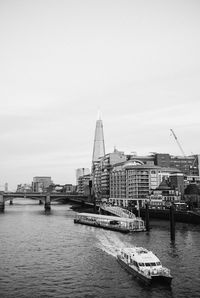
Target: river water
[{"x": 47, "y": 255}]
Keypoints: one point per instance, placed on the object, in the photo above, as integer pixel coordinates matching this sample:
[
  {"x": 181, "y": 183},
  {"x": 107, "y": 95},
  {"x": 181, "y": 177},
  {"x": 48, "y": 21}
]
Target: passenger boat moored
[
  {"x": 144, "y": 264},
  {"x": 115, "y": 223}
]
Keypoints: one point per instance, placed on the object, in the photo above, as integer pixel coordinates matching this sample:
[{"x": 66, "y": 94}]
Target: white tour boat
[
  {"x": 144, "y": 264},
  {"x": 115, "y": 223}
]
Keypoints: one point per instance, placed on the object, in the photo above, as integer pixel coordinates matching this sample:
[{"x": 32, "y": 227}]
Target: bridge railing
[{"x": 121, "y": 212}]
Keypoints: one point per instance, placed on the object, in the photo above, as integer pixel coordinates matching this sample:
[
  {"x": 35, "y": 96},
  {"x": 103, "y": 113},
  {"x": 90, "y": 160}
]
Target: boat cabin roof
[
  {"x": 108, "y": 217},
  {"x": 141, "y": 255}
]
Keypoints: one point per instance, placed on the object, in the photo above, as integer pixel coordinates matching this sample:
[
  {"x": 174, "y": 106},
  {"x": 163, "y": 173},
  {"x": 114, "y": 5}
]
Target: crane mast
[{"x": 175, "y": 137}]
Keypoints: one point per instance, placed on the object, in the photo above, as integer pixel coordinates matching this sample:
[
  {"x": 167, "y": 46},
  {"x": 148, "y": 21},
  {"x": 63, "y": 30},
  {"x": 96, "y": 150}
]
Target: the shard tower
[{"x": 99, "y": 146}]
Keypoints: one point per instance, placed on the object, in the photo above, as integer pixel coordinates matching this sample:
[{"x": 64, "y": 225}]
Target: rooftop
[{"x": 141, "y": 254}]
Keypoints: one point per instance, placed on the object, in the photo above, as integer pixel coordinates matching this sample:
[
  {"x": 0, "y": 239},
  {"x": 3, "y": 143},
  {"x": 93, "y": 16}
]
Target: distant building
[
  {"x": 192, "y": 195},
  {"x": 189, "y": 165},
  {"x": 81, "y": 172},
  {"x": 6, "y": 187},
  {"x": 99, "y": 145},
  {"x": 176, "y": 181},
  {"x": 190, "y": 179},
  {"x": 98, "y": 150},
  {"x": 162, "y": 160},
  {"x": 24, "y": 188},
  {"x": 41, "y": 183},
  {"x": 164, "y": 195},
  {"x": 166, "y": 172},
  {"x": 83, "y": 184},
  {"x": 66, "y": 188},
  {"x": 148, "y": 160}
]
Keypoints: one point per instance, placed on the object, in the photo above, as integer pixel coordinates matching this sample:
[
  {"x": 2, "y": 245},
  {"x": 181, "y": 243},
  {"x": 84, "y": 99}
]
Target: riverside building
[
  {"x": 117, "y": 175},
  {"x": 131, "y": 182},
  {"x": 102, "y": 171},
  {"x": 124, "y": 180},
  {"x": 164, "y": 195}
]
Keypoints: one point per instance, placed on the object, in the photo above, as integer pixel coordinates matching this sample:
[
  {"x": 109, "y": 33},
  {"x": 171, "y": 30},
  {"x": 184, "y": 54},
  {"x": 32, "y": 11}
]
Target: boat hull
[
  {"x": 162, "y": 279},
  {"x": 107, "y": 226},
  {"x": 99, "y": 225},
  {"x": 145, "y": 279}
]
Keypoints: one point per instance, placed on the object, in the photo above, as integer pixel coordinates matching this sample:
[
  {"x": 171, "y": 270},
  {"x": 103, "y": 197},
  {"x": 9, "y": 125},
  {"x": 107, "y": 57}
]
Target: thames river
[{"x": 47, "y": 255}]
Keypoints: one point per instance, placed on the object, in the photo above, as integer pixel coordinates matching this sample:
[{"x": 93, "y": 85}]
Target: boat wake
[{"x": 110, "y": 243}]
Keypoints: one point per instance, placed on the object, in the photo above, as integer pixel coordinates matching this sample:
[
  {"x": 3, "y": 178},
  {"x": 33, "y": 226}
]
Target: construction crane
[
  {"x": 195, "y": 158},
  {"x": 188, "y": 165},
  {"x": 183, "y": 153}
]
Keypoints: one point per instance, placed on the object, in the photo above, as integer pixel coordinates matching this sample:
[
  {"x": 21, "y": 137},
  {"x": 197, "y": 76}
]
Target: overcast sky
[{"x": 138, "y": 61}]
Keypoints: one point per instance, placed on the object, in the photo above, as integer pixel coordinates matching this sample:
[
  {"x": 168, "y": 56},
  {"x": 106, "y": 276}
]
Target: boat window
[
  {"x": 153, "y": 264},
  {"x": 141, "y": 264},
  {"x": 136, "y": 264},
  {"x": 114, "y": 222},
  {"x": 158, "y": 263},
  {"x": 147, "y": 264}
]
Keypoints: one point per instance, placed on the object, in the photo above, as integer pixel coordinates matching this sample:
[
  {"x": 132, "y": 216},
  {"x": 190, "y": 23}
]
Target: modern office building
[
  {"x": 41, "y": 183},
  {"x": 102, "y": 170},
  {"x": 133, "y": 180},
  {"x": 99, "y": 145},
  {"x": 97, "y": 156}
]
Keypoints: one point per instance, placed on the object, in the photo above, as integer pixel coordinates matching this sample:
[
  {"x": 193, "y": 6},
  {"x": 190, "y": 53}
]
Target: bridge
[{"x": 44, "y": 198}]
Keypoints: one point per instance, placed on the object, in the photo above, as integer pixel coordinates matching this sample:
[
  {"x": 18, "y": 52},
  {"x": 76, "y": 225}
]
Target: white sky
[{"x": 138, "y": 61}]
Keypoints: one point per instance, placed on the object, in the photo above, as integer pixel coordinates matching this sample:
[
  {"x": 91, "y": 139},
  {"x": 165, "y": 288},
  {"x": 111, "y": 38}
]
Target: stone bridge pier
[
  {"x": 47, "y": 203},
  {"x": 2, "y": 203}
]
